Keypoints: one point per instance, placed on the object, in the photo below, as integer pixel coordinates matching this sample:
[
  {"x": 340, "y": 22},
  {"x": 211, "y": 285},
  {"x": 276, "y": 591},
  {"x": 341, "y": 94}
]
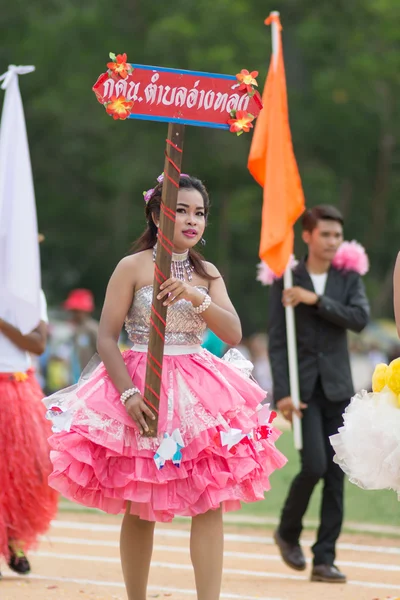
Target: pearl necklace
[{"x": 181, "y": 267}]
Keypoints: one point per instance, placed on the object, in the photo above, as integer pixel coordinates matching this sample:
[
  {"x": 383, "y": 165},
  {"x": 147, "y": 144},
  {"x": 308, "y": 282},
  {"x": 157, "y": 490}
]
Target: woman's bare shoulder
[
  {"x": 211, "y": 269},
  {"x": 136, "y": 259}
]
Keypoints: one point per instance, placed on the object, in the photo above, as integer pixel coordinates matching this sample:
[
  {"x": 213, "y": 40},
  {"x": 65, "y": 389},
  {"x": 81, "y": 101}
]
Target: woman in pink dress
[{"x": 215, "y": 446}]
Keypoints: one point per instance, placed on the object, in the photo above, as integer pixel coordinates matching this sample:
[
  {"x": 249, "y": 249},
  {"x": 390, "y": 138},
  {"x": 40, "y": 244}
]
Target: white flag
[{"x": 20, "y": 282}]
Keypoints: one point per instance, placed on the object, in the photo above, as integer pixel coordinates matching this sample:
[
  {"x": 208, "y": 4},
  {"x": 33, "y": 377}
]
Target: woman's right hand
[{"x": 137, "y": 408}]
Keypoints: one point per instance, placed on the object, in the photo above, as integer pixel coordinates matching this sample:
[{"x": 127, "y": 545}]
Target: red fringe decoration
[{"x": 27, "y": 503}]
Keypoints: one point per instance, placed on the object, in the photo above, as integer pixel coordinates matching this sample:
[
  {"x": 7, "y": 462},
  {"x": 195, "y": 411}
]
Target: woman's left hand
[{"x": 174, "y": 289}]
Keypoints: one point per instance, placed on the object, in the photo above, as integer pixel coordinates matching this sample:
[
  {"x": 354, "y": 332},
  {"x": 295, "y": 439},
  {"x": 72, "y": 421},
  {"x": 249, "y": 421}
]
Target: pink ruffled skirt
[{"x": 100, "y": 459}]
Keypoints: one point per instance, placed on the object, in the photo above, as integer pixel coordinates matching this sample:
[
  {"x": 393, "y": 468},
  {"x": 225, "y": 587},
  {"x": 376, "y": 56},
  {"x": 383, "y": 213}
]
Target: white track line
[
  {"x": 227, "y": 553},
  {"x": 151, "y": 588},
  {"x": 182, "y": 567},
  {"x": 229, "y": 537},
  {"x": 78, "y": 541}
]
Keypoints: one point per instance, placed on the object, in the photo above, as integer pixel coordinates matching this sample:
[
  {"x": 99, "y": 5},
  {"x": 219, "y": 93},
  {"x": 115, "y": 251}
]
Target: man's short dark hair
[{"x": 323, "y": 212}]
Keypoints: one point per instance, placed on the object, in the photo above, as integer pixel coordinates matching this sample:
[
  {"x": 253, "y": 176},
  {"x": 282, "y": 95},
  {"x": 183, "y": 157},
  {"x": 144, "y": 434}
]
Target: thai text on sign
[{"x": 187, "y": 97}]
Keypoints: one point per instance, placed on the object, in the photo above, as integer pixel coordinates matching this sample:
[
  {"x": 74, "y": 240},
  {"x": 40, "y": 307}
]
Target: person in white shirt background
[{"x": 27, "y": 503}]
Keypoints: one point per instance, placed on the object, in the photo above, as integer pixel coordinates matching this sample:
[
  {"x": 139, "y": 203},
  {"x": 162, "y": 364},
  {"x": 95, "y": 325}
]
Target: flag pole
[
  {"x": 288, "y": 283},
  {"x": 292, "y": 359}
]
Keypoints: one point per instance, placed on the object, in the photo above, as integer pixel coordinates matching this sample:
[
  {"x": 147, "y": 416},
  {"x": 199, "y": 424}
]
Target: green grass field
[{"x": 381, "y": 507}]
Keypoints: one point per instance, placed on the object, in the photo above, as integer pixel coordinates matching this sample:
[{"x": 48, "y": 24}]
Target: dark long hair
[{"x": 148, "y": 239}]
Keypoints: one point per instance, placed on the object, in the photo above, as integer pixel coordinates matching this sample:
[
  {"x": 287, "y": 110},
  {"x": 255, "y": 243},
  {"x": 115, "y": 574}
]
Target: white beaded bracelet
[
  {"x": 203, "y": 306},
  {"x": 124, "y": 397}
]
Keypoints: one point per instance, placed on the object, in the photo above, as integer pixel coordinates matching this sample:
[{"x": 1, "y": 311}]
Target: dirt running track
[{"x": 79, "y": 559}]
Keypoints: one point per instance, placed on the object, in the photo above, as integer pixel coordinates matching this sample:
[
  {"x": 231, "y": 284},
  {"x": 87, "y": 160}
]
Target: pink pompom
[
  {"x": 266, "y": 276},
  {"x": 351, "y": 256}
]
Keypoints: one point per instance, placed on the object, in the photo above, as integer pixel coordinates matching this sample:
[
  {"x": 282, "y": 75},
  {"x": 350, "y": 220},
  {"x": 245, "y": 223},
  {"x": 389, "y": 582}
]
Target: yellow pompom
[
  {"x": 393, "y": 376},
  {"x": 379, "y": 377}
]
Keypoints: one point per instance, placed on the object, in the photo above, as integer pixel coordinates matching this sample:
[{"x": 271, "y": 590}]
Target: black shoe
[
  {"x": 292, "y": 554},
  {"x": 18, "y": 562},
  {"x": 327, "y": 574}
]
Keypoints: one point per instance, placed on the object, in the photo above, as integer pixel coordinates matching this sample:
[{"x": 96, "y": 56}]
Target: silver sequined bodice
[{"x": 184, "y": 326}]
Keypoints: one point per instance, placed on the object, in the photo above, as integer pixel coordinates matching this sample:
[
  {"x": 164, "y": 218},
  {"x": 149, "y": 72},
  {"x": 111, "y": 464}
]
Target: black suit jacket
[{"x": 321, "y": 334}]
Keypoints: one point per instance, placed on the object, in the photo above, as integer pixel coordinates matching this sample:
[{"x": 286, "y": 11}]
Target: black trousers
[{"x": 321, "y": 419}]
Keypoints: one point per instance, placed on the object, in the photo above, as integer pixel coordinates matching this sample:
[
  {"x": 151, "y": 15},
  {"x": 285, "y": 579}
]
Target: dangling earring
[{"x": 203, "y": 241}]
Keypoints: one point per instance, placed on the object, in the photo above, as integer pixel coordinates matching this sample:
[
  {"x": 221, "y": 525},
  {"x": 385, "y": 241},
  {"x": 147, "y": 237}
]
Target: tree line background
[{"x": 343, "y": 71}]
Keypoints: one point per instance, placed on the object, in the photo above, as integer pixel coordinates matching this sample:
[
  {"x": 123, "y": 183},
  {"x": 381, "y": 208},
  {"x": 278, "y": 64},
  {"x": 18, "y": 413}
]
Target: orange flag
[{"x": 273, "y": 164}]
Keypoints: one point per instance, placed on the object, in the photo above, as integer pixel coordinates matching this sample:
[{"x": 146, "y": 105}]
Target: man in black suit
[{"x": 327, "y": 303}]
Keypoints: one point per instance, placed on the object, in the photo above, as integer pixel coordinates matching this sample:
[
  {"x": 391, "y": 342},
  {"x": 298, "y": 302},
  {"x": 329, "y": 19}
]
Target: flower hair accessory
[{"x": 147, "y": 195}]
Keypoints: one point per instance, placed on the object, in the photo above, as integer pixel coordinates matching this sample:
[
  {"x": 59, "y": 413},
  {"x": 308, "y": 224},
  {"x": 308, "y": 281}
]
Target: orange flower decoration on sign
[
  {"x": 241, "y": 122},
  {"x": 247, "y": 80},
  {"x": 119, "y": 66},
  {"x": 119, "y": 108}
]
